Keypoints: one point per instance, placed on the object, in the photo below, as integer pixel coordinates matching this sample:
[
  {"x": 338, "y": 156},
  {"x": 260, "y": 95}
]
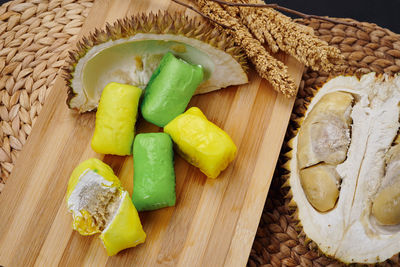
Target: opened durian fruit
[
  {"x": 130, "y": 50},
  {"x": 345, "y": 169}
]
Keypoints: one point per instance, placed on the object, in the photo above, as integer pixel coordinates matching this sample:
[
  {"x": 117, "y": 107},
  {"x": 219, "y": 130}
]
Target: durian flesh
[
  {"x": 129, "y": 51},
  {"x": 345, "y": 169}
]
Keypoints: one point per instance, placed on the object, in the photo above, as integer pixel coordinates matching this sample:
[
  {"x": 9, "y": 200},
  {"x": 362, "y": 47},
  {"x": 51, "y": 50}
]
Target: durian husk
[
  {"x": 162, "y": 22},
  {"x": 281, "y": 246},
  {"x": 284, "y": 169}
]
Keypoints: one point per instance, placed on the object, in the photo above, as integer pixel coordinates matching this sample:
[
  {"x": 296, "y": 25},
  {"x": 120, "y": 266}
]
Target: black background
[{"x": 385, "y": 13}]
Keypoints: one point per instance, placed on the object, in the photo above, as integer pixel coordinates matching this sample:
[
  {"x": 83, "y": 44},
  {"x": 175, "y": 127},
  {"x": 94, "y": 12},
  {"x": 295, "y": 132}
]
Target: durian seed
[
  {"x": 320, "y": 185},
  {"x": 386, "y": 206}
]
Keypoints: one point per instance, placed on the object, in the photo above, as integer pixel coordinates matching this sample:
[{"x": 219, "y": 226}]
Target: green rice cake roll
[
  {"x": 115, "y": 119},
  {"x": 170, "y": 89},
  {"x": 154, "y": 175}
]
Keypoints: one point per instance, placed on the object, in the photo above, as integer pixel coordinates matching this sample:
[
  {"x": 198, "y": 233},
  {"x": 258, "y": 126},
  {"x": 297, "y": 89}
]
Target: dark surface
[{"x": 385, "y": 13}]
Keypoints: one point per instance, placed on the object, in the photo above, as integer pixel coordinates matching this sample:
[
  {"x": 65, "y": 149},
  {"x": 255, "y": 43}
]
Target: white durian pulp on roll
[
  {"x": 349, "y": 232},
  {"x": 96, "y": 195}
]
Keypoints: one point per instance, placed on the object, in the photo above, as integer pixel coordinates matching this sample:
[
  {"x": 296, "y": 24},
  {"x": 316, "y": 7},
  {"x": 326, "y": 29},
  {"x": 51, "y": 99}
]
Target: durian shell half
[
  {"x": 367, "y": 239},
  {"x": 194, "y": 40}
]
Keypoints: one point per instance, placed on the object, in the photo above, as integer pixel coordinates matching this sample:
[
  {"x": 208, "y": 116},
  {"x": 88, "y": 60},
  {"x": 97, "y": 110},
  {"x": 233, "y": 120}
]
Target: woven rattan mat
[{"x": 35, "y": 35}]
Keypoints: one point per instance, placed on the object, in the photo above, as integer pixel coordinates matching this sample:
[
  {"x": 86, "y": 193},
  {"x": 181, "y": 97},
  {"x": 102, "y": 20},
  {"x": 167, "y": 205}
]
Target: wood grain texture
[{"x": 214, "y": 221}]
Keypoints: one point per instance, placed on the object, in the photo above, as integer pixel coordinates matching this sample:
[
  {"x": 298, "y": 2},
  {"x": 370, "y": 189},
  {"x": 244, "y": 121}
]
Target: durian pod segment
[
  {"x": 89, "y": 178},
  {"x": 125, "y": 229},
  {"x": 386, "y": 205},
  {"x": 115, "y": 119},
  {"x": 324, "y": 135},
  {"x": 130, "y": 50},
  {"x": 320, "y": 184},
  {"x": 201, "y": 142}
]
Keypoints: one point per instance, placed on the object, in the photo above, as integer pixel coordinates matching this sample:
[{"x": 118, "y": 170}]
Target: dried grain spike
[{"x": 266, "y": 65}]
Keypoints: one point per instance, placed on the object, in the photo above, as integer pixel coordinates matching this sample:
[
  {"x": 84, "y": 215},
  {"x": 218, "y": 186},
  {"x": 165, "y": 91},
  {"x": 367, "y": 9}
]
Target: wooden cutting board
[{"x": 214, "y": 221}]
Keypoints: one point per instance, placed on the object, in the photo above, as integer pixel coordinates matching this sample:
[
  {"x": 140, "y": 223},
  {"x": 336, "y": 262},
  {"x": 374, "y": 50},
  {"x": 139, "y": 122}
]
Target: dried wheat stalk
[
  {"x": 279, "y": 32},
  {"x": 266, "y": 65},
  {"x": 255, "y": 24}
]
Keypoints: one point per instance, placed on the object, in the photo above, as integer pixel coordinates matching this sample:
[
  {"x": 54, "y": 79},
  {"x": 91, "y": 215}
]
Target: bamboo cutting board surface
[{"x": 214, "y": 221}]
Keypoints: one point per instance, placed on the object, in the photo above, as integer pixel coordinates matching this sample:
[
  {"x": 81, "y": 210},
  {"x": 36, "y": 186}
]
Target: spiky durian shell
[
  {"x": 297, "y": 119},
  {"x": 161, "y": 23}
]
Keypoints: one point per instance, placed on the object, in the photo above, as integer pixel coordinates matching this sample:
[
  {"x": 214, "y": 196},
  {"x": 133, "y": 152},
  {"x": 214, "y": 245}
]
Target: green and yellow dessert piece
[
  {"x": 115, "y": 119},
  {"x": 154, "y": 175},
  {"x": 169, "y": 90},
  {"x": 201, "y": 143},
  {"x": 99, "y": 204}
]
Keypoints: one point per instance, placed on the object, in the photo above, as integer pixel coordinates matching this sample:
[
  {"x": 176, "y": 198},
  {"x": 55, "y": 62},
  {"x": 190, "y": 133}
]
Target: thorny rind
[
  {"x": 253, "y": 27},
  {"x": 157, "y": 23}
]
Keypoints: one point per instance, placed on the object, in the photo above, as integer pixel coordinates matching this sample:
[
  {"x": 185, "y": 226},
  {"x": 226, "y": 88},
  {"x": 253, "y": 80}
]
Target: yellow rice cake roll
[
  {"x": 115, "y": 119},
  {"x": 99, "y": 204},
  {"x": 201, "y": 143}
]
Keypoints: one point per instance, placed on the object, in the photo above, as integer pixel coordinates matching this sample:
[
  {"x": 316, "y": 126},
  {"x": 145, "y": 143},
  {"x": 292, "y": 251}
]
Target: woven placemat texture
[
  {"x": 34, "y": 40},
  {"x": 35, "y": 36},
  {"x": 366, "y": 48}
]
